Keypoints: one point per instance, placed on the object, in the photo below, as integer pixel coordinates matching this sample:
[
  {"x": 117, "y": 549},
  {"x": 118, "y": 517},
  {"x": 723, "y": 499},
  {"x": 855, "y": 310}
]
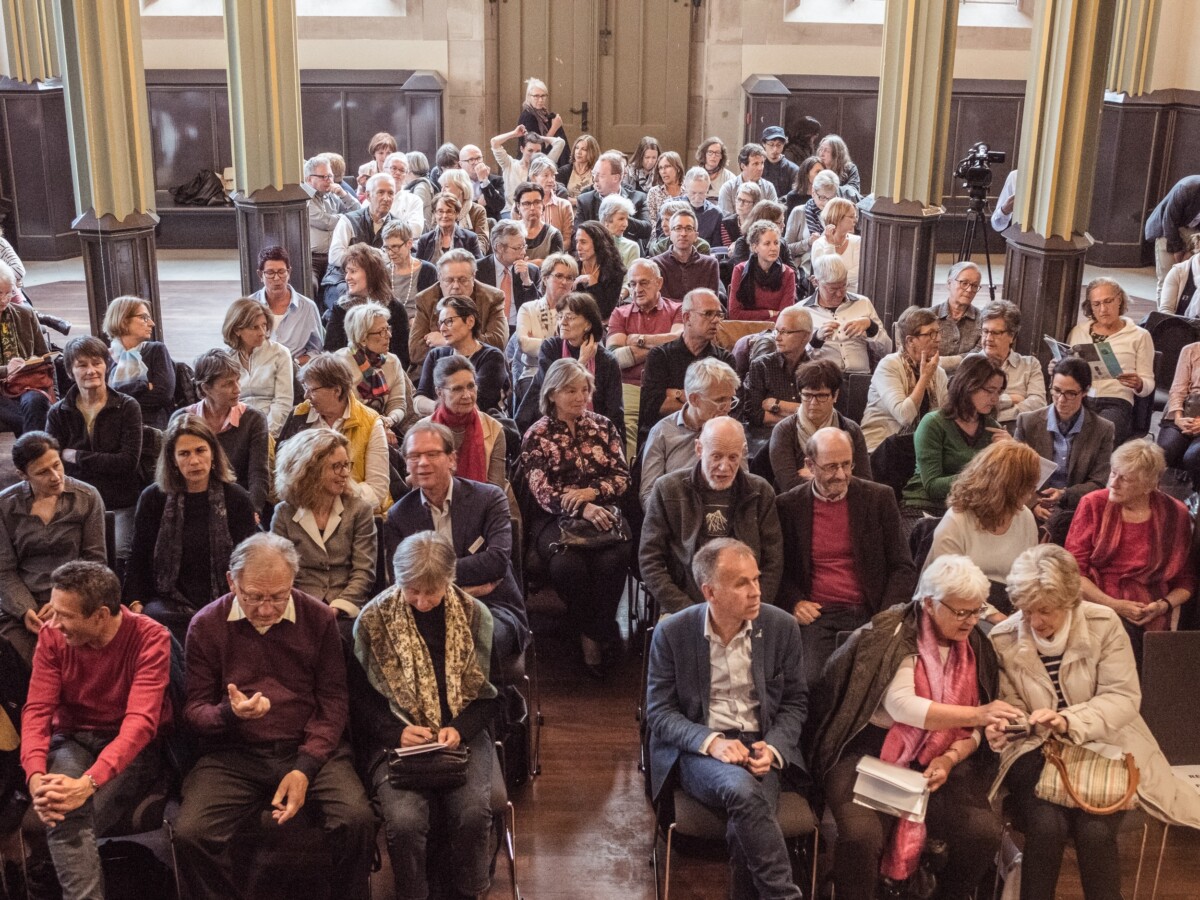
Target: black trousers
[{"x": 590, "y": 582}]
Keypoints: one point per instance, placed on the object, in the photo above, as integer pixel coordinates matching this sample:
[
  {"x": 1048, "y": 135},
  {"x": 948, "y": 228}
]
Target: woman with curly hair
[
  {"x": 368, "y": 281},
  {"x": 601, "y": 271}
]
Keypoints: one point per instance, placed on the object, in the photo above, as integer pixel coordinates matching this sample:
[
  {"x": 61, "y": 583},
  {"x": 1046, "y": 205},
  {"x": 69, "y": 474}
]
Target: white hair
[{"x": 953, "y": 576}]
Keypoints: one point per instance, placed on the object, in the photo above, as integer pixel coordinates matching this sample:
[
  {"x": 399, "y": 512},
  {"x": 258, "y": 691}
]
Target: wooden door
[{"x": 627, "y": 60}]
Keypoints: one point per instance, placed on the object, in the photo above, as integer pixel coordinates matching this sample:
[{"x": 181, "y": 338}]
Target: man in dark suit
[
  {"x": 726, "y": 700},
  {"x": 475, "y": 517},
  {"x": 1075, "y": 438},
  {"x": 508, "y": 257},
  {"x": 488, "y": 188},
  {"x": 606, "y": 179},
  {"x": 845, "y": 557}
]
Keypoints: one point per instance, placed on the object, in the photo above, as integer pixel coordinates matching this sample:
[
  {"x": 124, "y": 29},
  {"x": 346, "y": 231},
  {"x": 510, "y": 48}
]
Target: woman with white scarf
[{"x": 142, "y": 368}]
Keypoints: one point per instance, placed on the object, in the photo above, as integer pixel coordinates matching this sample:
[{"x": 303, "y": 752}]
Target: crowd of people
[{"x": 581, "y": 366}]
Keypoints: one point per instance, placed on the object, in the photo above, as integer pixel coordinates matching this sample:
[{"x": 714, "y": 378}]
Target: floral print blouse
[{"x": 557, "y": 461}]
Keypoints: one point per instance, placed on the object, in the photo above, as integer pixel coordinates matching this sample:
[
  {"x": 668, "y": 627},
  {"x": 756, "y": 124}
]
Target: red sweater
[
  {"x": 834, "y": 579},
  {"x": 119, "y": 688},
  {"x": 769, "y": 303}
]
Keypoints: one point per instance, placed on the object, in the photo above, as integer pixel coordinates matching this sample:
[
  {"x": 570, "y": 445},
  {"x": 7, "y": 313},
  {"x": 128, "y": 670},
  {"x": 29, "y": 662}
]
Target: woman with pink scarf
[{"x": 914, "y": 687}]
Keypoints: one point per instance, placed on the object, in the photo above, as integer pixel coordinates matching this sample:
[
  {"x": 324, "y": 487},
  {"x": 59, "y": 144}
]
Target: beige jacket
[{"x": 1100, "y": 684}]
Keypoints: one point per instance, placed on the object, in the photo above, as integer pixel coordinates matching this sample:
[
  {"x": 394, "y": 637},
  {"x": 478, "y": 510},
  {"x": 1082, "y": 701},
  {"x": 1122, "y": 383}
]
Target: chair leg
[
  {"x": 511, "y": 849},
  {"x": 667, "y": 864},
  {"x": 24, "y": 851},
  {"x": 537, "y": 720},
  {"x": 816, "y": 850},
  {"x": 1162, "y": 849},
  {"x": 174, "y": 859}
]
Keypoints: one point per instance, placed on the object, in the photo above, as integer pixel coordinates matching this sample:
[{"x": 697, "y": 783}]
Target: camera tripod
[{"x": 976, "y": 224}]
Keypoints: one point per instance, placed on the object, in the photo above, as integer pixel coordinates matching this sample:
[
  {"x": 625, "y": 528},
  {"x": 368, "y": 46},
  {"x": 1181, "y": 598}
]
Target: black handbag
[
  {"x": 437, "y": 770},
  {"x": 576, "y": 531}
]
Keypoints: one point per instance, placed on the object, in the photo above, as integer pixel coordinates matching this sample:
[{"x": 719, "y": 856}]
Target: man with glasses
[
  {"x": 845, "y": 321},
  {"x": 475, "y": 518},
  {"x": 634, "y": 329},
  {"x": 486, "y": 189},
  {"x": 296, "y": 322},
  {"x": 457, "y": 270},
  {"x": 607, "y": 178},
  {"x": 407, "y": 206},
  {"x": 1078, "y": 441},
  {"x": 713, "y": 498},
  {"x": 327, "y": 201},
  {"x": 362, "y": 226},
  {"x": 667, "y": 364},
  {"x": 683, "y": 267},
  {"x": 507, "y": 268},
  {"x": 771, "y": 391},
  {"x": 708, "y": 218},
  {"x": 267, "y": 696},
  {"x": 958, "y": 318},
  {"x": 845, "y": 554}
]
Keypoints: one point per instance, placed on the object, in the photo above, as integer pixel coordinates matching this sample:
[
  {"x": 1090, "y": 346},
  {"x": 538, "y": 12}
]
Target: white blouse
[{"x": 266, "y": 383}]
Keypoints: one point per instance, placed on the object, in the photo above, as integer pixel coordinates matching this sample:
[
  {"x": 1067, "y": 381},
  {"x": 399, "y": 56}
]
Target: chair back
[
  {"x": 894, "y": 462},
  {"x": 852, "y": 399},
  {"x": 1168, "y": 677}
]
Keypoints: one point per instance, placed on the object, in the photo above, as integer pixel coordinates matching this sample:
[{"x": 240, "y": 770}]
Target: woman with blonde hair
[
  {"x": 142, "y": 368},
  {"x": 472, "y": 217},
  {"x": 576, "y": 174},
  {"x": 378, "y": 375},
  {"x": 446, "y": 234},
  {"x": 264, "y": 366},
  {"x": 840, "y": 217},
  {"x": 556, "y": 211},
  {"x": 536, "y": 115}
]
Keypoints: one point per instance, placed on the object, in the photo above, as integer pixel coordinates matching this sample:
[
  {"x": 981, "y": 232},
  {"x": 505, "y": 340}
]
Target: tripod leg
[
  {"x": 968, "y": 241},
  {"x": 987, "y": 256}
]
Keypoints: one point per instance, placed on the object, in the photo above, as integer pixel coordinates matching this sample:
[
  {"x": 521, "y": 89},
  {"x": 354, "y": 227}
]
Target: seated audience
[
  {"x": 711, "y": 389},
  {"x": 330, "y": 403},
  {"x": 264, "y": 366},
  {"x": 424, "y": 646},
  {"x": 419, "y": 183},
  {"x": 818, "y": 383},
  {"x": 446, "y": 233},
  {"x": 987, "y": 515},
  {"x": 1000, "y": 322},
  {"x": 576, "y": 468},
  {"x": 23, "y": 341},
  {"x": 332, "y": 530},
  {"x": 295, "y": 321},
  {"x": 844, "y": 553},
  {"x": 537, "y": 319},
  {"x": 381, "y": 145},
  {"x": 90, "y": 728},
  {"x": 367, "y": 281},
  {"x": 100, "y": 432},
  {"x": 1178, "y": 431},
  {"x": 601, "y": 272},
  {"x": 684, "y": 268},
  {"x": 606, "y": 181},
  {"x": 1068, "y": 668},
  {"x": 516, "y": 171},
  {"x": 458, "y": 321},
  {"x": 456, "y": 278},
  {"x": 949, "y": 437},
  {"x": 580, "y": 336},
  {"x": 1104, "y": 306},
  {"x": 665, "y": 185},
  {"x": 576, "y": 175},
  {"x": 713, "y": 498},
  {"x": 476, "y": 518},
  {"x": 327, "y": 201},
  {"x": 486, "y": 189},
  {"x": 557, "y": 212},
  {"x": 835, "y": 156},
  {"x": 1178, "y": 296},
  {"x": 958, "y": 317},
  {"x": 799, "y": 193},
  {"x": 362, "y": 226},
  {"x": 378, "y": 376},
  {"x": 614, "y": 215},
  {"x": 840, "y": 218},
  {"x": 541, "y": 239},
  {"x": 187, "y": 523},
  {"x": 142, "y": 368},
  {"x": 471, "y": 216},
  {"x": 509, "y": 268},
  {"x": 713, "y": 157},
  {"x": 751, "y": 159},
  {"x": 45, "y": 518},
  {"x": 1133, "y": 544},
  {"x": 722, "y": 751},
  {"x": 913, "y": 687},
  {"x": 778, "y": 169},
  {"x": 906, "y": 384},
  {"x": 845, "y": 320},
  {"x": 667, "y": 364},
  {"x": 241, "y": 430},
  {"x": 8, "y": 255},
  {"x": 409, "y": 275},
  {"x": 1077, "y": 440},
  {"x": 708, "y": 217},
  {"x": 643, "y": 166},
  {"x": 739, "y": 252},
  {"x": 762, "y": 285},
  {"x": 735, "y": 224},
  {"x": 267, "y": 697},
  {"x": 771, "y": 390},
  {"x": 805, "y": 226}
]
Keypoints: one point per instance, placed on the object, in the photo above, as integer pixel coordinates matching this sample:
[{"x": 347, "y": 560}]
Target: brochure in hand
[
  {"x": 1099, "y": 356},
  {"x": 891, "y": 789}
]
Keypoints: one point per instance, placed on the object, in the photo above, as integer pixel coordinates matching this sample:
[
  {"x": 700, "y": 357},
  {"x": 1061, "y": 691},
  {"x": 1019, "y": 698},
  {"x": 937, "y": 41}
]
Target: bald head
[
  {"x": 830, "y": 457},
  {"x": 721, "y": 448}
]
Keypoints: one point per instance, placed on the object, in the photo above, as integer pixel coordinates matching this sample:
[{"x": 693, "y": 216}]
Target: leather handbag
[
  {"x": 1076, "y": 777},
  {"x": 576, "y": 531},
  {"x": 35, "y": 376},
  {"x": 438, "y": 770}
]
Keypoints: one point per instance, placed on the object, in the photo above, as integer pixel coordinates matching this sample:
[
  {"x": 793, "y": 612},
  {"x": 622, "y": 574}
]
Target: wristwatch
[
  {"x": 776, "y": 409},
  {"x": 641, "y": 341}
]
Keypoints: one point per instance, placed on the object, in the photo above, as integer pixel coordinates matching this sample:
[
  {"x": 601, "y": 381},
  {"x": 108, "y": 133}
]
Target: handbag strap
[{"x": 1052, "y": 751}]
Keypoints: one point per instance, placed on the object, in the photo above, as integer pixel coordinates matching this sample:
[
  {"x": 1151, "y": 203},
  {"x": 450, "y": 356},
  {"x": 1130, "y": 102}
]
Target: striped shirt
[{"x": 1053, "y": 664}]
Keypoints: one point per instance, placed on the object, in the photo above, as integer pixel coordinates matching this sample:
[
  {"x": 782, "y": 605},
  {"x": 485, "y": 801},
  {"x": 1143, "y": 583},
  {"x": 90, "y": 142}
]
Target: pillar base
[
  {"x": 119, "y": 258},
  {"x": 269, "y": 217},
  {"x": 1044, "y": 276},
  {"x": 897, "y": 257}
]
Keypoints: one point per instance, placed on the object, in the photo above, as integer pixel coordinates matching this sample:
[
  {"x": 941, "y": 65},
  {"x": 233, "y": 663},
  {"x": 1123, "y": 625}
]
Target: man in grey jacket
[
  {"x": 713, "y": 499},
  {"x": 327, "y": 201}
]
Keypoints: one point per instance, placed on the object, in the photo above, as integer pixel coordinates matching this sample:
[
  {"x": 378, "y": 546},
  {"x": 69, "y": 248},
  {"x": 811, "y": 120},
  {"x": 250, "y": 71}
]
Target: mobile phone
[{"x": 1017, "y": 728}]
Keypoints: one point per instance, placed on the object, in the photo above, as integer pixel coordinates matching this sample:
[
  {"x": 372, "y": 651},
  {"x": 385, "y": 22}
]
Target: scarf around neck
[
  {"x": 129, "y": 363},
  {"x": 756, "y": 279},
  {"x": 168, "y": 548},
  {"x": 543, "y": 118},
  {"x": 373, "y": 389},
  {"x": 472, "y": 461}
]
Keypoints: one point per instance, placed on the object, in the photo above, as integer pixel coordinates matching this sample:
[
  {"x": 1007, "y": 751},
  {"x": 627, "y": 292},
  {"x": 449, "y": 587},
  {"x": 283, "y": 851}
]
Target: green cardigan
[{"x": 942, "y": 452}]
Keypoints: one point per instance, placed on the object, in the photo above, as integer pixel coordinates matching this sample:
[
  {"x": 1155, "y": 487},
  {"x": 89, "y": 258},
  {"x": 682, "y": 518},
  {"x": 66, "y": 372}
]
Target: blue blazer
[
  {"x": 478, "y": 510},
  {"x": 678, "y": 685}
]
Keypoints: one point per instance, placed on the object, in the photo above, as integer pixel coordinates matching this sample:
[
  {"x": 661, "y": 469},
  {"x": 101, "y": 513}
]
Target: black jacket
[
  {"x": 428, "y": 249},
  {"x": 107, "y": 459},
  {"x": 639, "y": 228},
  {"x": 492, "y": 196},
  {"x": 486, "y": 273}
]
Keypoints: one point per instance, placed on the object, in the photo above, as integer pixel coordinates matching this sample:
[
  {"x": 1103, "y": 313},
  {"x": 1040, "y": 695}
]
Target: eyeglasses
[
  {"x": 461, "y": 279},
  {"x": 340, "y": 467},
  {"x": 396, "y": 248},
  {"x": 473, "y": 161},
  {"x": 428, "y": 456},
  {"x": 380, "y": 332},
  {"x": 783, "y": 332},
  {"x": 729, "y": 403},
  {"x": 969, "y": 286},
  {"x": 816, "y": 396},
  {"x": 449, "y": 320},
  {"x": 683, "y": 229},
  {"x": 311, "y": 391},
  {"x": 1066, "y": 395},
  {"x": 255, "y": 601},
  {"x": 321, "y": 177},
  {"x": 961, "y": 615},
  {"x": 933, "y": 332},
  {"x": 568, "y": 318},
  {"x": 460, "y": 390},
  {"x": 709, "y": 314},
  {"x": 835, "y": 467},
  {"x": 145, "y": 317},
  {"x": 530, "y": 204},
  {"x": 563, "y": 276},
  {"x": 991, "y": 332},
  {"x": 1100, "y": 304},
  {"x": 275, "y": 273}
]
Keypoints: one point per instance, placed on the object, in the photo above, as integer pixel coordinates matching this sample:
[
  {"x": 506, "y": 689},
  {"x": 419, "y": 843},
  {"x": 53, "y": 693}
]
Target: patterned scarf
[
  {"x": 755, "y": 277},
  {"x": 543, "y": 117},
  {"x": 403, "y": 664},
  {"x": 373, "y": 389},
  {"x": 130, "y": 365},
  {"x": 472, "y": 461},
  {"x": 168, "y": 549},
  {"x": 952, "y": 682}
]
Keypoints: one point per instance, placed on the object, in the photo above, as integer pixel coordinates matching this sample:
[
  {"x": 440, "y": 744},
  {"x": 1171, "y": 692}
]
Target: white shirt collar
[
  {"x": 711, "y": 635},
  {"x": 446, "y": 505},
  {"x": 236, "y": 614}
]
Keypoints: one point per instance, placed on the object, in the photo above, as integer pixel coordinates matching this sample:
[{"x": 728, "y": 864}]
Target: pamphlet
[
  {"x": 418, "y": 749},
  {"x": 1099, "y": 356},
  {"x": 891, "y": 789}
]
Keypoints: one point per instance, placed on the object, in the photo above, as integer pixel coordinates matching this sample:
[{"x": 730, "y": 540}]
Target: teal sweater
[{"x": 942, "y": 452}]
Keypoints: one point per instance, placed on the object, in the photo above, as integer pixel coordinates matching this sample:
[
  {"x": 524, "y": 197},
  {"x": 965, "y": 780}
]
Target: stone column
[
  {"x": 896, "y": 268},
  {"x": 1063, "y": 99},
  {"x": 29, "y": 36},
  {"x": 268, "y": 156},
  {"x": 100, "y": 56},
  {"x": 1134, "y": 35}
]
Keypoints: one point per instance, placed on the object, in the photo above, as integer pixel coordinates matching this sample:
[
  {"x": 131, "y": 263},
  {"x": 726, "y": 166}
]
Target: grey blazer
[
  {"x": 679, "y": 684},
  {"x": 1087, "y": 467},
  {"x": 343, "y": 572}
]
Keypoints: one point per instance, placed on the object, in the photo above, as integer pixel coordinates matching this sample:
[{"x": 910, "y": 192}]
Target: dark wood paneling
[
  {"x": 1131, "y": 137},
  {"x": 189, "y": 131}
]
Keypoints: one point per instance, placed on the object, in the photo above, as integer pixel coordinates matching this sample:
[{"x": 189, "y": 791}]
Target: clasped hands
[
  {"x": 55, "y": 795},
  {"x": 756, "y": 758}
]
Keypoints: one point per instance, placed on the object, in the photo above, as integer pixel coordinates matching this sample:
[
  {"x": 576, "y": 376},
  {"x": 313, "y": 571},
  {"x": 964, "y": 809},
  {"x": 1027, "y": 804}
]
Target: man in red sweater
[
  {"x": 266, "y": 693},
  {"x": 97, "y": 699}
]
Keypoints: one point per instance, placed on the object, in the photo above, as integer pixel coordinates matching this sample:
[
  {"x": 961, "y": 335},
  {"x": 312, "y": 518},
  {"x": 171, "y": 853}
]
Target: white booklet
[
  {"x": 891, "y": 789},
  {"x": 418, "y": 749},
  {"x": 1099, "y": 356}
]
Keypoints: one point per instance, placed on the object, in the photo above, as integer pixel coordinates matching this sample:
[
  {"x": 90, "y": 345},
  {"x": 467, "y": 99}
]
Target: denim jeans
[{"x": 73, "y": 840}]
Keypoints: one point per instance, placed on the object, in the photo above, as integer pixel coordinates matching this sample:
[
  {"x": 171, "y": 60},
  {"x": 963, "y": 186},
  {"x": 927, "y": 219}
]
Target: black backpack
[{"x": 205, "y": 189}]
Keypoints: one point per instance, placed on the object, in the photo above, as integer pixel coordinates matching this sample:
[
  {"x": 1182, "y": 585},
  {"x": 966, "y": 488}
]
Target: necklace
[{"x": 412, "y": 284}]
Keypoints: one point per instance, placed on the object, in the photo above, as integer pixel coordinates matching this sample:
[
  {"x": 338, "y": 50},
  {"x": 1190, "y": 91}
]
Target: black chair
[
  {"x": 1170, "y": 335},
  {"x": 894, "y": 462},
  {"x": 852, "y": 399},
  {"x": 1143, "y": 407}
]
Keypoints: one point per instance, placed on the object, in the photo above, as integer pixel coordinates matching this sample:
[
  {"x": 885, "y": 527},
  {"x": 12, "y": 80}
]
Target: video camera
[{"x": 975, "y": 167}]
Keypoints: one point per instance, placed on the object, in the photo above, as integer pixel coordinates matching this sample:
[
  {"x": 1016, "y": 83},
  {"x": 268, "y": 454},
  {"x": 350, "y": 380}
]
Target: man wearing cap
[{"x": 778, "y": 169}]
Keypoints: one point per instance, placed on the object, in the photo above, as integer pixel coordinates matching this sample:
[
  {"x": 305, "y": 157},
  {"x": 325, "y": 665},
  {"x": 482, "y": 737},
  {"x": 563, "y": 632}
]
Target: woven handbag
[{"x": 1076, "y": 777}]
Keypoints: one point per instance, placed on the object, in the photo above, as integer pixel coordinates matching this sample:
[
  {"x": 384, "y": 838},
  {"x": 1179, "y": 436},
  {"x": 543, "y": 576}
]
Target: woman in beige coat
[{"x": 1069, "y": 665}]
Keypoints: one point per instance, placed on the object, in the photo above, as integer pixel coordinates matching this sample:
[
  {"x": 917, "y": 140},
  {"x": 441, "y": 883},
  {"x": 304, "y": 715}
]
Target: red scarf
[
  {"x": 953, "y": 682},
  {"x": 472, "y": 461}
]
